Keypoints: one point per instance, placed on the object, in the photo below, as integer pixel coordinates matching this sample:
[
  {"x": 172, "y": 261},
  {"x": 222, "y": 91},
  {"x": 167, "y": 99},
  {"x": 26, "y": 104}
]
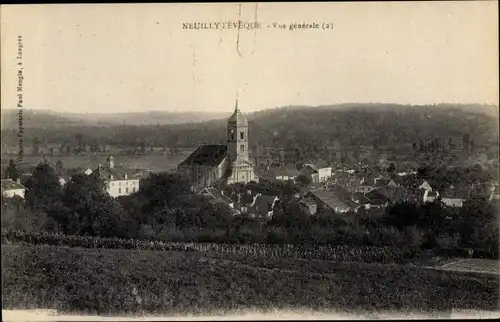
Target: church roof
[
  {"x": 116, "y": 173},
  {"x": 208, "y": 154},
  {"x": 237, "y": 117}
]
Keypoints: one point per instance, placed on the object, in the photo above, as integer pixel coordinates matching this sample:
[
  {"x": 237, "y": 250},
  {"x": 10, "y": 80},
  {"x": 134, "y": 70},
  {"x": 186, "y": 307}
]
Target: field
[
  {"x": 105, "y": 281},
  {"x": 155, "y": 162}
]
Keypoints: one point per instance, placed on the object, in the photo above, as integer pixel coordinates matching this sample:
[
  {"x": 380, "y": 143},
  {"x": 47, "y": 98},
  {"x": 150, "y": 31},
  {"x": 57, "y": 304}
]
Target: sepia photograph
[{"x": 250, "y": 161}]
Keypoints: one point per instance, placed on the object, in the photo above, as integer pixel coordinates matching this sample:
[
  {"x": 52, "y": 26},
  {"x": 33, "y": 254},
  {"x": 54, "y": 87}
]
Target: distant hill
[
  {"x": 49, "y": 118},
  {"x": 293, "y": 126}
]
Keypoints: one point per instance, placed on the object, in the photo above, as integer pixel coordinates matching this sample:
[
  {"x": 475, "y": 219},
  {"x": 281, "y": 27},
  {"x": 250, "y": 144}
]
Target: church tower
[
  {"x": 240, "y": 166},
  {"x": 237, "y": 136}
]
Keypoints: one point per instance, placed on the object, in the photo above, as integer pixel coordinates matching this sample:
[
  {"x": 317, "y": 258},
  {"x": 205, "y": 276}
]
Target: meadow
[{"x": 113, "y": 281}]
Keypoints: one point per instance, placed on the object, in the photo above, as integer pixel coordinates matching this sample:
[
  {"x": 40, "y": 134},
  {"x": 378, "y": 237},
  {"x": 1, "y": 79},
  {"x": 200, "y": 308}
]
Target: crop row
[{"x": 385, "y": 254}]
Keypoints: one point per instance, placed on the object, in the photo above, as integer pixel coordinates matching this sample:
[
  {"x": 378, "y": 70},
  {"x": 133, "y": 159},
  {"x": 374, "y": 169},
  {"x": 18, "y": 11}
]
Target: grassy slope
[{"x": 101, "y": 281}]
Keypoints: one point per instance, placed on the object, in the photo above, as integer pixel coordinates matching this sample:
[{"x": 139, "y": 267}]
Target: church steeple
[{"x": 236, "y": 106}]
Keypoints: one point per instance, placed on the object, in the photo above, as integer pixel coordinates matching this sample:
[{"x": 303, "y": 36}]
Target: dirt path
[{"x": 472, "y": 265}]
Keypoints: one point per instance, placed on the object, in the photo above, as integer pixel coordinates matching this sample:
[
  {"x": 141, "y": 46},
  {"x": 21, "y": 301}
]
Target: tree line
[{"x": 426, "y": 127}]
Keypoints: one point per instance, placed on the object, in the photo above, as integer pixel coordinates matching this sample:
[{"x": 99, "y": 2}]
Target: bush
[
  {"x": 413, "y": 237},
  {"x": 448, "y": 241},
  {"x": 387, "y": 254}
]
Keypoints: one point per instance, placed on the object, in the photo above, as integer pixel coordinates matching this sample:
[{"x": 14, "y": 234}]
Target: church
[{"x": 213, "y": 163}]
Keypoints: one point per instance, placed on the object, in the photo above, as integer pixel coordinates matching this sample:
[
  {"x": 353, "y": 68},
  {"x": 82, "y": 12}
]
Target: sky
[{"x": 109, "y": 58}]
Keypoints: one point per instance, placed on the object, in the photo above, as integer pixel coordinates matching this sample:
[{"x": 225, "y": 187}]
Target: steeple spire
[{"x": 236, "y": 106}]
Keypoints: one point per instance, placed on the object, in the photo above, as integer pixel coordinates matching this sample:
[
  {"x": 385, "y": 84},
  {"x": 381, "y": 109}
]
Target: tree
[
  {"x": 479, "y": 224},
  {"x": 160, "y": 194},
  {"x": 391, "y": 168},
  {"x": 43, "y": 188},
  {"x": 93, "y": 212},
  {"x": 465, "y": 141},
  {"x": 59, "y": 167},
  {"x": 79, "y": 142},
  {"x": 421, "y": 145},
  {"x": 303, "y": 180},
  {"x": 36, "y": 146},
  {"x": 401, "y": 215},
  {"x": 142, "y": 147},
  {"x": 11, "y": 171},
  {"x": 16, "y": 216}
]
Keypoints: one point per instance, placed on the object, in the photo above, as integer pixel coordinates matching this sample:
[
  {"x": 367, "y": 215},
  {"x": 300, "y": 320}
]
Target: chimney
[
  {"x": 18, "y": 181},
  {"x": 111, "y": 162}
]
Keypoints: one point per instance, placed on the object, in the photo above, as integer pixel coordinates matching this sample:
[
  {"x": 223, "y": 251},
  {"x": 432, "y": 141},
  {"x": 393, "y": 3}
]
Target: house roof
[
  {"x": 362, "y": 199},
  {"x": 237, "y": 118},
  {"x": 425, "y": 185},
  {"x": 340, "y": 174},
  {"x": 230, "y": 193},
  {"x": 9, "y": 184},
  {"x": 320, "y": 163},
  {"x": 333, "y": 200},
  {"x": 208, "y": 154},
  {"x": 378, "y": 196},
  {"x": 494, "y": 191},
  {"x": 382, "y": 182},
  {"x": 263, "y": 204},
  {"x": 287, "y": 171},
  {"x": 432, "y": 194},
  {"x": 307, "y": 171},
  {"x": 118, "y": 172},
  {"x": 216, "y": 194},
  {"x": 455, "y": 193},
  {"x": 398, "y": 193},
  {"x": 247, "y": 198},
  {"x": 308, "y": 202}
]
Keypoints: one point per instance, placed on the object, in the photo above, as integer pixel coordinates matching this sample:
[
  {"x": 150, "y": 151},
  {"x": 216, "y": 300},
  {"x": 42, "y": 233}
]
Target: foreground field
[
  {"x": 104, "y": 281},
  {"x": 276, "y": 315}
]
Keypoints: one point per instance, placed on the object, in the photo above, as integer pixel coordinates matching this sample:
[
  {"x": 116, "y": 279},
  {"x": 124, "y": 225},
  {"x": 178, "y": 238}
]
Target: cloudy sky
[{"x": 119, "y": 58}]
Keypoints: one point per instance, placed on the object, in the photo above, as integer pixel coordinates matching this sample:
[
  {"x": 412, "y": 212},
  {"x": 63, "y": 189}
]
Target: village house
[
  {"x": 309, "y": 206},
  {"x": 119, "y": 180},
  {"x": 379, "y": 197},
  {"x": 318, "y": 171},
  {"x": 217, "y": 195},
  {"x": 332, "y": 199},
  {"x": 256, "y": 204},
  {"x": 11, "y": 188},
  {"x": 283, "y": 173},
  {"x": 430, "y": 196},
  {"x": 64, "y": 176},
  {"x": 454, "y": 196},
  {"x": 364, "y": 188},
  {"x": 494, "y": 195}
]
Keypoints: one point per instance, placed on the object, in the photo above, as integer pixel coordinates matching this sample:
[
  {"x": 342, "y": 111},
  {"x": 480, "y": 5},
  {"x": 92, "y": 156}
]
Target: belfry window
[{"x": 242, "y": 135}]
